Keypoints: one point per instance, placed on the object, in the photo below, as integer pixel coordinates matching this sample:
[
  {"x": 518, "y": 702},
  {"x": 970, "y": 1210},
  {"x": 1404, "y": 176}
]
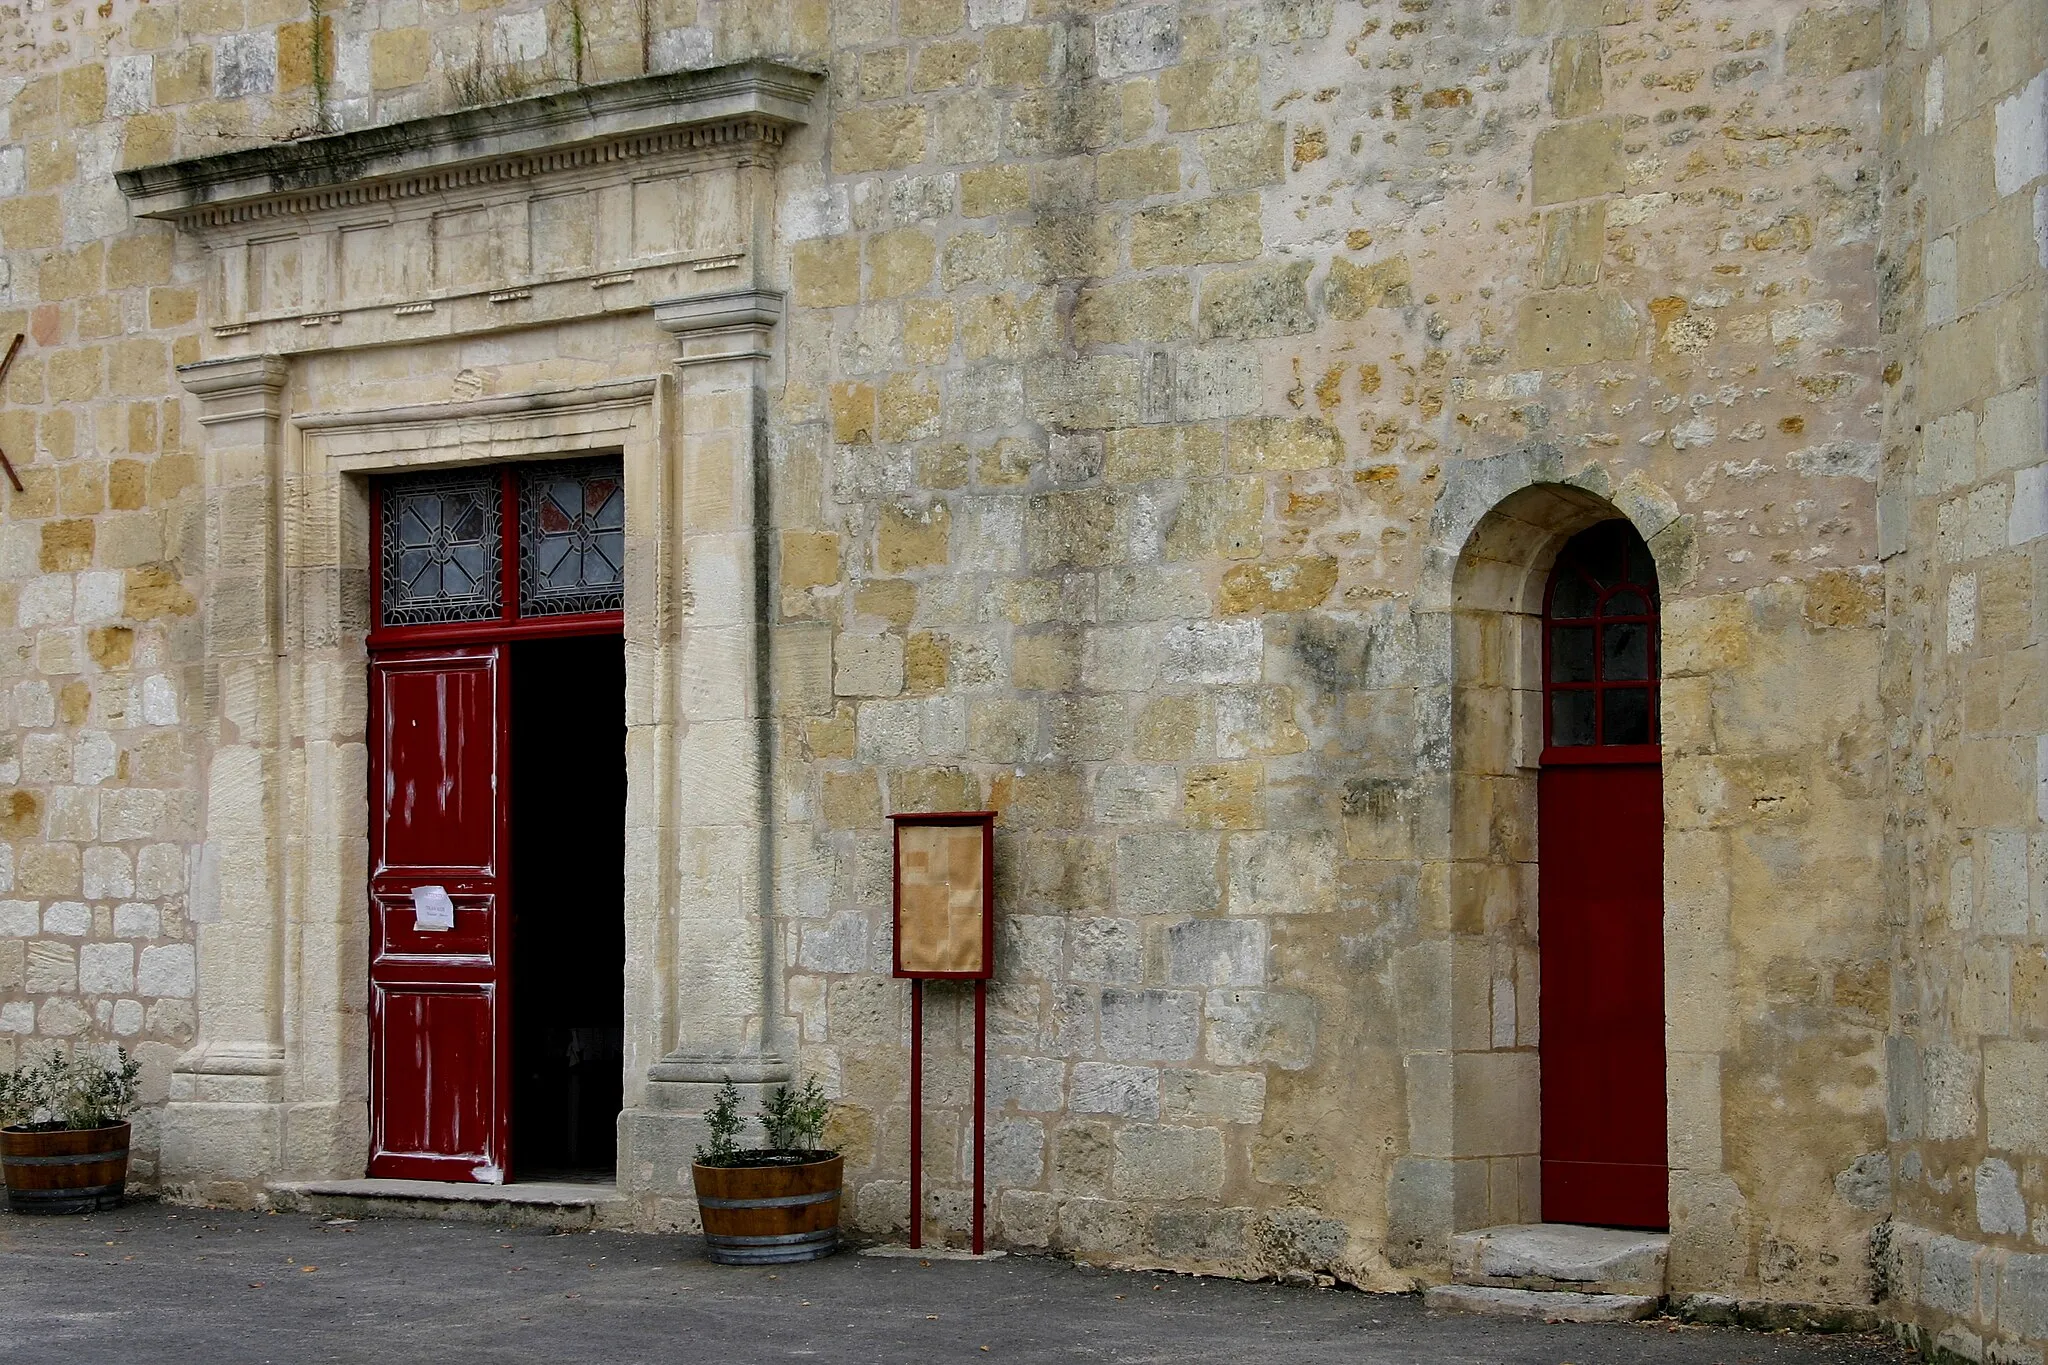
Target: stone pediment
[{"x": 594, "y": 200}]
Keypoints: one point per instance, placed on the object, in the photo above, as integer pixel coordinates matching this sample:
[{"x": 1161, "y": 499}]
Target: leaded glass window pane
[
  {"x": 1571, "y": 717},
  {"x": 440, "y": 548},
  {"x": 1626, "y": 604},
  {"x": 1627, "y": 718},
  {"x": 1571, "y": 654},
  {"x": 1624, "y": 652},
  {"x": 1574, "y": 598},
  {"x": 572, "y": 541}
]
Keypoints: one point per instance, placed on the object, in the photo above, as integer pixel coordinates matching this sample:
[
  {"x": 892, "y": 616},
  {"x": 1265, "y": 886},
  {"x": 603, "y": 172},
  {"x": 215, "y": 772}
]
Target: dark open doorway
[{"x": 568, "y": 835}]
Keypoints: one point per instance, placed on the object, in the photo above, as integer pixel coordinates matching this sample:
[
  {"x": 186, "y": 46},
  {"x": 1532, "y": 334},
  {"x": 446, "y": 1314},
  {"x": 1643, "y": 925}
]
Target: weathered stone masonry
[
  {"x": 1963, "y": 536},
  {"x": 1154, "y": 421}
]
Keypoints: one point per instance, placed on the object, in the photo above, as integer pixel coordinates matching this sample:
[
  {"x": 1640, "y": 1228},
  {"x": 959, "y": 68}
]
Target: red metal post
[
  {"x": 980, "y": 1104},
  {"x": 916, "y": 1113}
]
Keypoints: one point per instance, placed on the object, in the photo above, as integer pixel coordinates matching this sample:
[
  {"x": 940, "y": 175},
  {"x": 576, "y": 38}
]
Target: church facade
[{"x": 1490, "y": 557}]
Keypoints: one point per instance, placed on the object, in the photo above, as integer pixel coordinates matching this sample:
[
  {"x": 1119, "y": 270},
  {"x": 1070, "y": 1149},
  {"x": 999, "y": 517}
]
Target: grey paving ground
[{"x": 158, "y": 1284}]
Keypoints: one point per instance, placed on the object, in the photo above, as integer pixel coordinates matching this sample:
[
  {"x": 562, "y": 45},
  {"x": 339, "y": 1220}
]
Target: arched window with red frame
[{"x": 1600, "y": 656}]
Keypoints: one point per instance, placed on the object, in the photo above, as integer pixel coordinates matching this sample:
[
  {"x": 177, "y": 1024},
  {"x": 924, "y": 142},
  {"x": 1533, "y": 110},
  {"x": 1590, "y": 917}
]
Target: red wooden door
[
  {"x": 468, "y": 561},
  {"x": 440, "y": 1054},
  {"x": 1600, "y": 888}
]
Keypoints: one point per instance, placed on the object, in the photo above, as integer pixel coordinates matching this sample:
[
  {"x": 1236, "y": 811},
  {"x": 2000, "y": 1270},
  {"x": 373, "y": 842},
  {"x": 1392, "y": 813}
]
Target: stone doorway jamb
[{"x": 726, "y": 1014}]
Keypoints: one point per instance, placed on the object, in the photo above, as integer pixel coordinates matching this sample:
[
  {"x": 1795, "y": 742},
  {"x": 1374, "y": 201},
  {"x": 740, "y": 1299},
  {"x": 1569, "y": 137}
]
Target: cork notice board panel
[{"x": 945, "y": 911}]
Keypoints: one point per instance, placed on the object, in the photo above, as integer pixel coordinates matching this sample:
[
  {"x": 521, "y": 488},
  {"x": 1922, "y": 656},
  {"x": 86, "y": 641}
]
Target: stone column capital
[
  {"x": 236, "y": 387},
  {"x": 712, "y": 327}
]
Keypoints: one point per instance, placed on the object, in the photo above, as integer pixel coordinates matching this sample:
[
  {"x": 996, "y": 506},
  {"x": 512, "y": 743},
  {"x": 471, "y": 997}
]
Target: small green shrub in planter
[
  {"x": 64, "y": 1131},
  {"x": 773, "y": 1204}
]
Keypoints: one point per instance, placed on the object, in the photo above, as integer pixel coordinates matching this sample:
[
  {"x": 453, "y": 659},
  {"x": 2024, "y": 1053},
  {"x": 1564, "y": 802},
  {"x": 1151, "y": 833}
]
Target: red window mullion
[
  {"x": 508, "y": 554},
  {"x": 489, "y": 632},
  {"x": 1601, "y": 753}
]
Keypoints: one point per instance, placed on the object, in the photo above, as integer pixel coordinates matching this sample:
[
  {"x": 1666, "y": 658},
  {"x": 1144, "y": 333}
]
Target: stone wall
[
  {"x": 1160, "y": 392},
  {"x": 1149, "y": 372},
  {"x": 1964, "y": 537}
]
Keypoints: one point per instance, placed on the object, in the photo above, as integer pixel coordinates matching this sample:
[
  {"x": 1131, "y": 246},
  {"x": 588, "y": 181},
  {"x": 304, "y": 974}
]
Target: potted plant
[
  {"x": 64, "y": 1146},
  {"x": 774, "y": 1204}
]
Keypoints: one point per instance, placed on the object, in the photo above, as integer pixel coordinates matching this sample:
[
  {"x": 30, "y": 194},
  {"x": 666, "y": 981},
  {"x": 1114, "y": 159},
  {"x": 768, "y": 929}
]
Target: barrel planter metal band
[
  {"x": 68, "y": 1170},
  {"x": 770, "y": 1215},
  {"x": 121, "y": 1155},
  {"x": 797, "y": 1246},
  {"x": 784, "y": 1201}
]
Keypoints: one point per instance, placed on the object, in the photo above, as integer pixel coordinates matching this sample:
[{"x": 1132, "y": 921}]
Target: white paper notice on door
[{"x": 431, "y": 908}]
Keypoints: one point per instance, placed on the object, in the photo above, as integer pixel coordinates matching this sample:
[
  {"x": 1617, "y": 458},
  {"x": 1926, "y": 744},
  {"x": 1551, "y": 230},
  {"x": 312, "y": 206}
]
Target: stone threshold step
[
  {"x": 553, "y": 1204},
  {"x": 1562, "y": 1257},
  {"x": 1544, "y": 1305}
]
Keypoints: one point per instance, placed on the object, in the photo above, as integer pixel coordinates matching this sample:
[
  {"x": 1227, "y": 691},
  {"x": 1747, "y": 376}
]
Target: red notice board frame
[{"x": 987, "y": 820}]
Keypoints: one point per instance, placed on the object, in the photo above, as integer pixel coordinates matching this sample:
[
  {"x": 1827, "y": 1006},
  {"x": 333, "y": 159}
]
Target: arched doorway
[{"x": 1600, "y": 850}]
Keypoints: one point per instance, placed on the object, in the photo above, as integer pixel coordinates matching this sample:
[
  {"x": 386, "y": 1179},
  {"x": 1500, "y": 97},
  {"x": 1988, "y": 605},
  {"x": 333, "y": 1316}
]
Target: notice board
[{"x": 945, "y": 895}]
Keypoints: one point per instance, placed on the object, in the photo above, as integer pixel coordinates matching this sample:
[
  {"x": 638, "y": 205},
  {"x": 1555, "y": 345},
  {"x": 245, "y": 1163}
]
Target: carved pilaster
[
  {"x": 712, "y": 327},
  {"x": 726, "y": 1009},
  {"x": 225, "y": 1115}
]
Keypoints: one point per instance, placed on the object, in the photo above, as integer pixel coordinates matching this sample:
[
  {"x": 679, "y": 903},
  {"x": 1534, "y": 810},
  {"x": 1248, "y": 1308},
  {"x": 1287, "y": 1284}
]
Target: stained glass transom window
[
  {"x": 1600, "y": 640},
  {"x": 572, "y": 538},
  {"x": 441, "y": 548}
]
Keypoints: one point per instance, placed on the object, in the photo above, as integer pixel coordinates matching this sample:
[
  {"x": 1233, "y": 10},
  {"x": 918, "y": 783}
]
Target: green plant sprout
[
  {"x": 795, "y": 1119},
  {"x": 724, "y": 1121},
  {"x": 792, "y": 1118},
  {"x": 78, "y": 1089}
]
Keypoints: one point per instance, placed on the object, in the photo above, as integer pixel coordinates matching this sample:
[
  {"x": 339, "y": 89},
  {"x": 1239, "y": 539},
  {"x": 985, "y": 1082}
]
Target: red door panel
[
  {"x": 1600, "y": 892},
  {"x": 440, "y": 1057},
  {"x": 434, "y": 1071},
  {"x": 440, "y": 762},
  {"x": 395, "y": 940}
]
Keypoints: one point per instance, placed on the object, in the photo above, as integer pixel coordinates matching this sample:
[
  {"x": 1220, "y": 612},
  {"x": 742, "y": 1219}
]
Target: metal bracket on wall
[{"x": 5, "y": 366}]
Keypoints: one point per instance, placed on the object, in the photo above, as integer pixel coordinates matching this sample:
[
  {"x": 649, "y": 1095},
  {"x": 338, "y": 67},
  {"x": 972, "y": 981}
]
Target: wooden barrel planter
[
  {"x": 64, "y": 1170},
  {"x": 770, "y": 1214}
]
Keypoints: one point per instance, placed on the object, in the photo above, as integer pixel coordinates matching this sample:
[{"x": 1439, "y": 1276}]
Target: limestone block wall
[
  {"x": 1159, "y": 393},
  {"x": 1964, "y": 530},
  {"x": 1149, "y": 371}
]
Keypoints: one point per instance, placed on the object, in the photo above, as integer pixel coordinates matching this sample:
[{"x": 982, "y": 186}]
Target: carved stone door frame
[{"x": 276, "y": 1086}]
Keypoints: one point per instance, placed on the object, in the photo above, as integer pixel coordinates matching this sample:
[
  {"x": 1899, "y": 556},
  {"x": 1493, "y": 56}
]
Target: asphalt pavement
[{"x": 157, "y": 1283}]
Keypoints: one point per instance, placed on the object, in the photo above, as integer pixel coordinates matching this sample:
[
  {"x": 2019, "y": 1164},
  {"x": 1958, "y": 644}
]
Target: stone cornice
[
  {"x": 493, "y": 428},
  {"x": 751, "y": 102},
  {"x": 613, "y": 394}
]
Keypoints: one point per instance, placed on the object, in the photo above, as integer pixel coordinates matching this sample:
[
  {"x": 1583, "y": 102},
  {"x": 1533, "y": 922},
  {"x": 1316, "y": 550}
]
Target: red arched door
[{"x": 1600, "y": 887}]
